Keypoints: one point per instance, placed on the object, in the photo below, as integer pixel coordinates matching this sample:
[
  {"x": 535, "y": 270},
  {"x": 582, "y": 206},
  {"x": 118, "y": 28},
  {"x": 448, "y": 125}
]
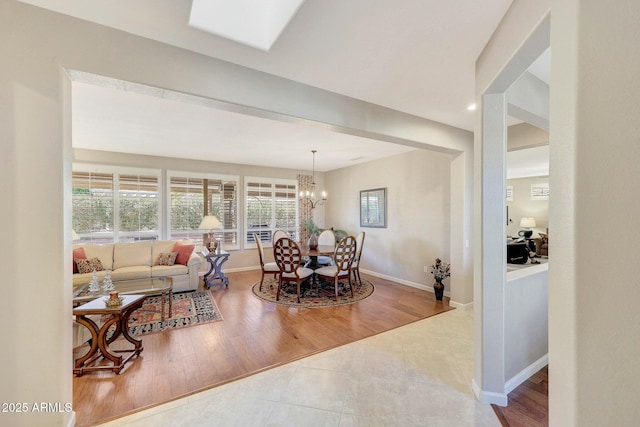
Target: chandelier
[{"x": 309, "y": 195}]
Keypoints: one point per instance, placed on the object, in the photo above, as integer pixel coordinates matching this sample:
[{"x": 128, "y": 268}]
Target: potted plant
[{"x": 440, "y": 270}]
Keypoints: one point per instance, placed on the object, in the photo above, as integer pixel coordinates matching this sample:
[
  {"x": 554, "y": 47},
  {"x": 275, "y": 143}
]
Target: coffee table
[{"x": 162, "y": 286}]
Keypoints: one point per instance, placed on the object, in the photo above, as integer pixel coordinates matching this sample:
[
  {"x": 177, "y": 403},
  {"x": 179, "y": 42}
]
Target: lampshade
[
  {"x": 209, "y": 222},
  {"x": 74, "y": 235},
  {"x": 527, "y": 222}
]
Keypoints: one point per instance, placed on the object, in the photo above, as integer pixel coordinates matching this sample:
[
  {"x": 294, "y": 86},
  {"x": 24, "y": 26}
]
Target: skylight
[{"x": 256, "y": 23}]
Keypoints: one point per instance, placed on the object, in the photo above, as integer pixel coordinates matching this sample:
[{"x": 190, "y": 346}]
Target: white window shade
[
  {"x": 270, "y": 205},
  {"x": 540, "y": 191}
]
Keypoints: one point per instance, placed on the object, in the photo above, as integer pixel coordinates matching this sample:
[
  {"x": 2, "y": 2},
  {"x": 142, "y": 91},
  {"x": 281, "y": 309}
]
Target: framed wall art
[{"x": 373, "y": 208}]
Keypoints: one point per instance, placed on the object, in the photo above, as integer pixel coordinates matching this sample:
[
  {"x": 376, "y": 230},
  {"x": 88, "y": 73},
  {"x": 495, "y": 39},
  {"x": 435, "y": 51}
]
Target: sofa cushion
[
  {"x": 78, "y": 253},
  {"x": 131, "y": 254},
  {"x": 130, "y": 273},
  {"x": 168, "y": 270},
  {"x": 83, "y": 279},
  {"x": 161, "y": 246},
  {"x": 184, "y": 251},
  {"x": 103, "y": 252}
]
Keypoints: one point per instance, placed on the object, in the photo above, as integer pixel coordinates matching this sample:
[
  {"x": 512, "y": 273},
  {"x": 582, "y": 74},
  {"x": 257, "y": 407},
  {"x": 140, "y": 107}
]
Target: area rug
[
  {"x": 310, "y": 296},
  {"x": 188, "y": 309}
]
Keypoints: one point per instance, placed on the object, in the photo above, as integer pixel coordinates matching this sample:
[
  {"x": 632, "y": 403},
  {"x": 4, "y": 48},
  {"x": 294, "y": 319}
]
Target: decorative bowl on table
[{"x": 113, "y": 302}]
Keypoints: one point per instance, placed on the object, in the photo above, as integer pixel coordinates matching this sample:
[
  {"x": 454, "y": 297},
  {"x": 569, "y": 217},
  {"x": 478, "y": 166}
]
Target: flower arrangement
[{"x": 440, "y": 270}]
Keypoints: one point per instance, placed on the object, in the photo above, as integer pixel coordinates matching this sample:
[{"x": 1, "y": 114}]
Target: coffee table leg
[
  {"x": 93, "y": 328},
  {"x": 102, "y": 340},
  {"x": 124, "y": 321}
]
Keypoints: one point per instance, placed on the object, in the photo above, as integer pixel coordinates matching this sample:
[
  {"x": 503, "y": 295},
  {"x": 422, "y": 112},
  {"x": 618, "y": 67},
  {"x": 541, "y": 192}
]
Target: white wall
[
  {"x": 526, "y": 324},
  {"x": 594, "y": 375},
  {"x": 418, "y": 212},
  {"x": 524, "y": 135}
]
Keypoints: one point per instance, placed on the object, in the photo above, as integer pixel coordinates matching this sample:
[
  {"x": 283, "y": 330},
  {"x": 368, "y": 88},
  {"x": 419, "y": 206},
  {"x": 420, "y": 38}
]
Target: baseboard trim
[
  {"x": 71, "y": 419},
  {"x": 240, "y": 269},
  {"x": 403, "y": 282},
  {"x": 461, "y": 306},
  {"x": 487, "y": 397},
  {"x": 526, "y": 373}
]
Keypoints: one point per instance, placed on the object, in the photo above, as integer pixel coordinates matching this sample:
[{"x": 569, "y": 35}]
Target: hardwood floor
[
  {"x": 528, "y": 403},
  {"x": 254, "y": 336}
]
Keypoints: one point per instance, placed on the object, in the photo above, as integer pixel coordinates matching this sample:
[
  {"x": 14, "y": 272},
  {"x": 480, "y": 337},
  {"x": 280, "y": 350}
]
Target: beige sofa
[{"x": 128, "y": 261}]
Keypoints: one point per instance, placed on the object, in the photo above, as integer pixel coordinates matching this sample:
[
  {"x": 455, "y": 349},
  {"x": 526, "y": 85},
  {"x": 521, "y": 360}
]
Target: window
[
  {"x": 270, "y": 205},
  {"x": 509, "y": 193},
  {"x": 138, "y": 208},
  {"x": 103, "y": 215},
  {"x": 540, "y": 191},
  {"x": 92, "y": 206},
  {"x": 192, "y": 196}
]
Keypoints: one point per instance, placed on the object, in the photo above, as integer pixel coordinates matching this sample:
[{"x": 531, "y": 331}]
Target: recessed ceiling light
[{"x": 472, "y": 107}]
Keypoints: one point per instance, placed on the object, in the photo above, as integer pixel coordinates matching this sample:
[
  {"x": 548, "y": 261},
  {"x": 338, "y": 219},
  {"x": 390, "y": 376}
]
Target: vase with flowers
[{"x": 440, "y": 270}]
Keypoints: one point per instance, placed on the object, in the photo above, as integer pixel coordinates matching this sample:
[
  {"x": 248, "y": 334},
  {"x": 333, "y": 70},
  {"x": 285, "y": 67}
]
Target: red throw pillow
[
  {"x": 78, "y": 253},
  {"x": 184, "y": 251}
]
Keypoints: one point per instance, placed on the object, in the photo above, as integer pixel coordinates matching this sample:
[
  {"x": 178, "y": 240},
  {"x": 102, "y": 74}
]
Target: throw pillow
[
  {"x": 167, "y": 258},
  {"x": 96, "y": 264},
  {"x": 88, "y": 265},
  {"x": 78, "y": 253},
  {"x": 184, "y": 251},
  {"x": 83, "y": 265}
]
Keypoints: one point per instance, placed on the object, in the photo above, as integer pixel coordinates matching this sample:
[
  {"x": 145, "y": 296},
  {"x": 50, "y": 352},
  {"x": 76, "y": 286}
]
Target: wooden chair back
[
  {"x": 287, "y": 255},
  {"x": 345, "y": 253},
  {"x": 359, "y": 244},
  {"x": 260, "y": 248}
]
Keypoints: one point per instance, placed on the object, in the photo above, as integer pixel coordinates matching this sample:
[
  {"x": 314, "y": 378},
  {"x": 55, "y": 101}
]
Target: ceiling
[
  {"x": 529, "y": 162},
  {"x": 414, "y": 56}
]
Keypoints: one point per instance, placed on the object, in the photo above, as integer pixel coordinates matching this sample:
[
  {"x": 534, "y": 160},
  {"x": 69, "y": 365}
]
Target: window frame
[
  {"x": 116, "y": 171},
  {"x": 272, "y": 227},
  {"x": 213, "y": 176}
]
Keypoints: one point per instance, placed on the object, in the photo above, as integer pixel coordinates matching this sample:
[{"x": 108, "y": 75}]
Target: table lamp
[
  {"x": 210, "y": 222},
  {"x": 527, "y": 223}
]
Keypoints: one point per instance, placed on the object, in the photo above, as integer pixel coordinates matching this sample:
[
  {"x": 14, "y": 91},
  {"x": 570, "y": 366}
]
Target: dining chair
[
  {"x": 326, "y": 238},
  {"x": 343, "y": 257},
  {"x": 287, "y": 254},
  {"x": 268, "y": 267},
  {"x": 278, "y": 234},
  {"x": 355, "y": 266}
]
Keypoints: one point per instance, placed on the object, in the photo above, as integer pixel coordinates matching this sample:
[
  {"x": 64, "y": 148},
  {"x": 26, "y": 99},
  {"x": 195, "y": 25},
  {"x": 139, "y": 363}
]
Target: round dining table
[{"x": 313, "y": 254}]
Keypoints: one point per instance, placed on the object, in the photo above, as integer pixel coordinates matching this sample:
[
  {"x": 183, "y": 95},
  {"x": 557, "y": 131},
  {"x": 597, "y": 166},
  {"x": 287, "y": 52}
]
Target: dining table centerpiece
[
  {"x": 440, "y": 270},
  {"x": 312, "y": 230}
]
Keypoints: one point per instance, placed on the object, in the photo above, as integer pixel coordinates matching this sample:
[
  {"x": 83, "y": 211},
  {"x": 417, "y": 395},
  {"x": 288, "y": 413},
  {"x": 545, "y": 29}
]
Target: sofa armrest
[{"x": 195, "y": 261}]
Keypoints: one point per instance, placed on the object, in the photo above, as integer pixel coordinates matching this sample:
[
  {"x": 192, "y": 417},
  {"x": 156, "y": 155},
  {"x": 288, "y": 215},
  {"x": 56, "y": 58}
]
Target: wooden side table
[
  {"x": 99, "y": 341},
  {"x": 215, "y": 266}
]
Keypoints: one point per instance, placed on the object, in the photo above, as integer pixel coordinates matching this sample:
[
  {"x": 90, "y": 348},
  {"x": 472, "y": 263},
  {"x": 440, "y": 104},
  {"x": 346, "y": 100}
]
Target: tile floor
[{"x": 416, "y": 375}]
